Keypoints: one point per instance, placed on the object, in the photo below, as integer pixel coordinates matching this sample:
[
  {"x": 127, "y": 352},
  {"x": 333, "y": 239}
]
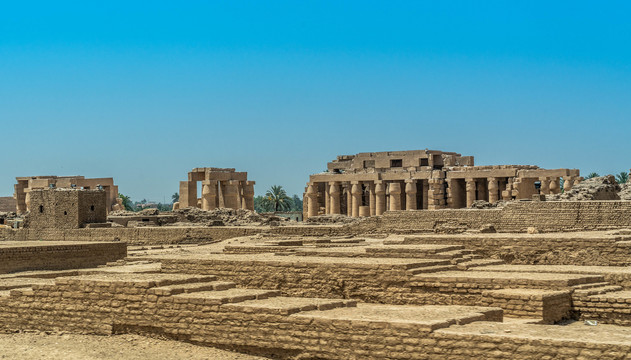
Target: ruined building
[
  {"x": 368, "y": 184},
  {"x": 29, "y": 183},
  {"x": 54, "y": 208},
  {"x": 221, "y": 188}
]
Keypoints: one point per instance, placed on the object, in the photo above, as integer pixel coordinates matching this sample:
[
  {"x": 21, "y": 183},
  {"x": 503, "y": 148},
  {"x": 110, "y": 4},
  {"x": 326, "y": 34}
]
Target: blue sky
[{"x": 146, "y": 91}]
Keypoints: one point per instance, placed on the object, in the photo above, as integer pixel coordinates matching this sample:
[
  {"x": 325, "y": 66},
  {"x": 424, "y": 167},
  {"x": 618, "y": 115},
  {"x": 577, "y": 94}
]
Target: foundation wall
[{"x": 59, "y": 257}]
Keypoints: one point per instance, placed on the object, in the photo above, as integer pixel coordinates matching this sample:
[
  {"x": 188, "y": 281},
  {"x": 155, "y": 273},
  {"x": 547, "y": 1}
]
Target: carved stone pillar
[
  {"x": 436, "y": 194},
  {"x": 312, "y": 195},
  {"x": 493, "y": 189},
  {"x": 425, "y": 194},
  {"x": 380, "y": 198},
  {"x": 327, "y": 200},
  {"x": 372, "y": 205},
  {"x": 395, "y": 196},
  {"x": 554, "y": 186},
  {"x": 568, "y": 183},
  {"x": 410, "y": 195},
  {"x": 209, "y": 194},
  {"x": 334, "y": 194},
  {"x": 248, "y": 195},
  {"x": 471, "y": 188},
  {"x": 229, "y": 190},
  {"x": 356, "y": 194}
]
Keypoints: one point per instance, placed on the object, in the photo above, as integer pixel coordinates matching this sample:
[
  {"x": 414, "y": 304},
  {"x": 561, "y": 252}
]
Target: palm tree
[
  {"x": 126, "y": 202},
  {"x": 622, "y": 178},
  {"x": 175, "y": 197},
  {"x": 592, "y": 175},
  {"x": 277, "y": 198}
]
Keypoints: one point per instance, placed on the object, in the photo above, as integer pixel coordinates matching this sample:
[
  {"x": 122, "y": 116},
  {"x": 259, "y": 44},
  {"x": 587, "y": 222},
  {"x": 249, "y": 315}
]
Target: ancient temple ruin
[
  {"x": 368, "y": 184},
  {"x": 221, "y": 188},
  {"x": 26, "y": 184}
]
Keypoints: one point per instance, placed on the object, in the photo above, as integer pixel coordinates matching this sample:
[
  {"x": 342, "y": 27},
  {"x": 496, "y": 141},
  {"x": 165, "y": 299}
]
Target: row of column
[
  {"x": 232, "y": 194},
  {"x": 381, "y": 195}
]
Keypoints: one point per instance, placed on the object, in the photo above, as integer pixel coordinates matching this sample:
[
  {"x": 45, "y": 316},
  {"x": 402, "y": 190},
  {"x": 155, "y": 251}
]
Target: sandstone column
[
  {"x": 380, "y": 198},
  {"x": 554, "y": 185},
  {"x": 372, "y": 199},
  {"x": 356, "y": 193},
  {"x": 209, "y": 194},
  {"x": 507, "y": 194},
  {"x": 425, "y": 194},
  {"x": 334, "y": 193},
  {"x": 568, "y": 183},
  {"x": 545, "y": 185},
  {"x": 471, "y": 187},
  {"x": 248, "y": 195},
  {"x": 312, "y": 195},
  {"x": 493, "y": 189},
  {"x": 349, "y": 200},
  {"x": 410, "y": 195},
  {"x": 229, "y": 190},
  {"x": 436, "y": 192},
  {"x": 395, "y": 196},
  {"x": 327, "y": 200}
]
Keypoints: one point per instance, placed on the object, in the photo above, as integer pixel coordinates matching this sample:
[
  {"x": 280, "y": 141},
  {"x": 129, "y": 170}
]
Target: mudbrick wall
[
  {"x": 545, "y": 216},
  {"x": 60, "y": 256},
  {"x": 165, "y": 235},
  {"x": 106, "y": 307}
]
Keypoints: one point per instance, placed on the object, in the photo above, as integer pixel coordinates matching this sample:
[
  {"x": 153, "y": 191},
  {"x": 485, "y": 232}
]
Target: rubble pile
[
  {"x": 598, "y": 188},
  {"x": 331, "y": 219},
  {"x": 224, "y": 216}
]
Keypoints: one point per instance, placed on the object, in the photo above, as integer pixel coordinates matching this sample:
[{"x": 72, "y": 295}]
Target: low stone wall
[
  {"x": 541, "y": 249},
  {"x": 546, "y": 216},
  {"x": 165, "y": 234},
  {"x": 367, "y": 280},
  {"x": 37, "y": 256}
]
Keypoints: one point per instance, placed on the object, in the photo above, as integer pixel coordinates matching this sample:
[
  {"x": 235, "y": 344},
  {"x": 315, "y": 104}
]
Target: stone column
[
  {"x": 545, "y": 185},
  {"x": 494, "y": 188},
  {"x": 327, "y": 200},
  {"x": 554, "y": 186},
  {"x": 395, "y": 196},
  {"x": 209, "y": 194},
  {"x": 349, "y": 200},
  {"x": 410, "y": 195},
  {"x": 248, "y": 195},
  {"x": 507, "y": 194},
  {"x": 188, "y": 194},
  {"x": 568, "y": 183},
  {"x": 436, "y": 193},
  {"x": 229, "y": 189},
  {"x": 471, "y": 187},
  {"x": 356, "y": 193},
  {"x": 380, "y": 198},
  {"x": 482, "y": 190},
  {"x": 425, "y": 194},
  {"x": 334, "y": 194},
  {"x": 372, "y": 205},
  {"x": 312, "y": 195}
]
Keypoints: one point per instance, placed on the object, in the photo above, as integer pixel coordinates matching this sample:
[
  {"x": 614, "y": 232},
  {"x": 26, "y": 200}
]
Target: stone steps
[
  {"x": 478, "y": 262},
  {"x": 225, "y": 296},
  {"x": 431, "y": 269},
  {"x": 592, "y": 285},
  {"x": 497, "y": 280},
  {"x": 286, "y": 305},
  {"x": 191, "y": 288},
  {"x": 548, "y": 305},
  {"x": 597, "y": 290}
]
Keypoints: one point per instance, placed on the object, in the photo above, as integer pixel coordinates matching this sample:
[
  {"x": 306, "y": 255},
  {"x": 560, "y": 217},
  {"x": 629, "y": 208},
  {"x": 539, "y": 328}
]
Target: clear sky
[{"x": 146, "y": 91}]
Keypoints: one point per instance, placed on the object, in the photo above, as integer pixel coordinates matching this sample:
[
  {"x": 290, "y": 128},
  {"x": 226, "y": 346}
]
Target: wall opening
[
  {"x": 92, "y": 208},
  {"x": 396, "y": 163},
  {"x": 41, "y": 208}
]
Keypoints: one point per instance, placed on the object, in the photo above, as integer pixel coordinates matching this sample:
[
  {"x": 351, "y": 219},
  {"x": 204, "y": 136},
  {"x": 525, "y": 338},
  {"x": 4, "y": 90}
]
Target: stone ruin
[
  {"x": 452, "y": 283},
  {"x": 25, "y": 185},
  {"x": 369, "y": 184},
  {"x": 221, "y": 188}
]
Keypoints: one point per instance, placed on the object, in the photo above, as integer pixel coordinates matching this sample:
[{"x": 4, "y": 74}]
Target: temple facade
[
  {"x": 369, "y": 184},
  {"x": 220, "y": 188}
]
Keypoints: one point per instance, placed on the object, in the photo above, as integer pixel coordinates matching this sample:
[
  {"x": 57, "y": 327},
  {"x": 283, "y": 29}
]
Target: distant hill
[{"x": 7, "y": 204}]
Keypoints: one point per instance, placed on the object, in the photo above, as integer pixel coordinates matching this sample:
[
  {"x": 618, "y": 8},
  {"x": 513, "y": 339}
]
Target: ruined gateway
[{"x": 513, "y": 282}]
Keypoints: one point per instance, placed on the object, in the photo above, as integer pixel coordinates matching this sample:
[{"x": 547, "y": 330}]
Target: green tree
[
  {"x": 592, "y": 175},
  {"x": 296, "y": 203},
  {"x": 126, "y": 202},
  {"x": 175, "y": 197},
  {"x": 622, "y": 178},
  {"x": 277, "y": 199}
]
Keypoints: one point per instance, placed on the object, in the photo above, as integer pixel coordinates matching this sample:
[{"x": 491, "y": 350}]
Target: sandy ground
[{"x": 31, "y": 346}]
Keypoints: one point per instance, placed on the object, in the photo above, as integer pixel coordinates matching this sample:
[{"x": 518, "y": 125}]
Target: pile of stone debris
[
  {"x": 223, "y": 216},
  {"x": 598, "y": 188},
  {"x": 331, "y": 219}
]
